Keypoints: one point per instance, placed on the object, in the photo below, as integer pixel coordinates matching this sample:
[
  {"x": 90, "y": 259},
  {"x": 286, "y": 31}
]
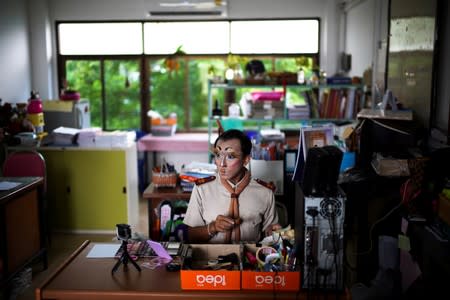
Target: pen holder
[
  {"x": 164, "y": 179},
  {"x": 265, "y": 252}
]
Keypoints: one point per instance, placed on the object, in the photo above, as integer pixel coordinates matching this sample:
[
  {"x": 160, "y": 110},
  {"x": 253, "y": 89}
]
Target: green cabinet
[{"x": 91, "y": 190}]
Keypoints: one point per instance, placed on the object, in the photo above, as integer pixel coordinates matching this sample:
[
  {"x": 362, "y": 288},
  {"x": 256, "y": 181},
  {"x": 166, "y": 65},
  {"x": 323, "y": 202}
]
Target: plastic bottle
[
  {"x": 35, "y": 113},
  {"x": 301, "y": 76},
  {"x": 216, "y": 110}
]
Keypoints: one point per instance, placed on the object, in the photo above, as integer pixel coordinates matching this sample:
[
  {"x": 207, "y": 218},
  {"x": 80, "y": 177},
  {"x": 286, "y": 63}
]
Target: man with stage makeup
[{"x": 231, "y": 207}]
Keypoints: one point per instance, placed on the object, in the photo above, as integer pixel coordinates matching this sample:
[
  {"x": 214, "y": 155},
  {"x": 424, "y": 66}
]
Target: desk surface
[
  {"x": 151, "y": 192},
  {"x": 26, "y": 183},
  {"x": 180, "y": 142},
  {"x": 90, "y": 278}
]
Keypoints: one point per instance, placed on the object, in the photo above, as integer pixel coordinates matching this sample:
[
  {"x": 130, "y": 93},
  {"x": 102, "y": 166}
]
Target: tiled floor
[{"x": 63, "y": 244}]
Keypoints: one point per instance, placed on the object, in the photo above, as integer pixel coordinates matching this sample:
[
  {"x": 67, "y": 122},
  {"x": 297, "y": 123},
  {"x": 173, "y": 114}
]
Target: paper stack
[
  {"x": 86, "y": 137},
  {"x": 64, "y": 136}
]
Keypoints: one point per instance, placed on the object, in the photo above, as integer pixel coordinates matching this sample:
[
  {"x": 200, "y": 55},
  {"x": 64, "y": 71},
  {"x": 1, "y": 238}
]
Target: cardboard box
[
  {"x": 273, "y": 281},
  {"x": 282, "y": 281},
  {"x": 390, "y": 166},
  {"x": 198, "y": 279}
]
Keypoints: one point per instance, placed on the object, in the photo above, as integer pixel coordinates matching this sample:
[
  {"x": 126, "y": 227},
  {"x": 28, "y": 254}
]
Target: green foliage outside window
[
  {"x": 183, "y": 91},
  {"x": 121, "y": 88}
]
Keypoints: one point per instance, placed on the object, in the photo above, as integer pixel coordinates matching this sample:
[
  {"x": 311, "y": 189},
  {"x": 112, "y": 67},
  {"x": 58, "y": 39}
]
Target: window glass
[
  {"x": 100, "y": 38},
  {"x": 274, "y": 36},
  {"x": 167, "y": 89},
  {"x": 121, "y": 88},
  {"x": 193, "y": 37},
  {"x": 176, "y": 82},
  {"x": 122, "y": 94},
  {"x": 183, "y": 90},
  {"x": 84, "y": 77}
]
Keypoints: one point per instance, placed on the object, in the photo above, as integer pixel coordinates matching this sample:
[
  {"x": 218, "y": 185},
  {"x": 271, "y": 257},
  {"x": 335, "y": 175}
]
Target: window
[
  {"x": 100, "y": 38},
  {"x": 275, "y": 36},
  {"x": 127, "y": 68},
  {"x": 118, "y": 81},
  {"x": 195, "y": 37}
]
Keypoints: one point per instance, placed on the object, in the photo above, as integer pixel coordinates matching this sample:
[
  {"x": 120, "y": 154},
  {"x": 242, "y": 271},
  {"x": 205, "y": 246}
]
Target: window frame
[{"x": 145, "y": 95}]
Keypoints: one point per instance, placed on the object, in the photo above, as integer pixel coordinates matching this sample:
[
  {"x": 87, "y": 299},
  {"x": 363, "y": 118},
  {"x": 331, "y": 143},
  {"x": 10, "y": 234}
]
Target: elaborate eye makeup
[{"x": 228, "y": 155}]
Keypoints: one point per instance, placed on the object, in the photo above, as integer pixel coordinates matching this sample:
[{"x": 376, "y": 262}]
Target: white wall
[
  {"x": 14, "y": 52},
  {"x": 42, "y": 51},
  {"x": 359, "y": 21}
]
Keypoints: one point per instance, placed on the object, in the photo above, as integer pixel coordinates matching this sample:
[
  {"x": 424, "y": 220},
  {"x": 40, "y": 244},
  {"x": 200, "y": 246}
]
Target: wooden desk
[
  {"x": 81, "y": 278},
  {"x": 154, "y": 196},
  {"x": 22, "y": 236}
]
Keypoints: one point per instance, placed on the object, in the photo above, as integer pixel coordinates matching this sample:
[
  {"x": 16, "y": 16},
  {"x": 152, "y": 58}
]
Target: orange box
[
  {"x": 286, "y": 281},
  {"x": 274, "y": 281},
  {"x": 194, "y": 279}
]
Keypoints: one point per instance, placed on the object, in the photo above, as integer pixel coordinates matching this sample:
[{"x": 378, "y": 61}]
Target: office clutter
[
  {"x": 73, "y": 114},
  {"x": 169, "y": 224},
  {"x": 210, "y": 260},
  {"x": 88, "y": 137},
  {"x": 28, "y": 123},
  {"x": 193, "y": 171},
  {"x": 70, "y": 95},
  {"x": 35, "y": 113},
  {"x": 267, "y": 157},
  {"x": 387, "y": 282},
  {"x": 323, "y": 253},
  {"x": 312, "y": 139},
  {"x": 164, "y": 175},
  {"x": 263, "y": 104},
  {"x": 22, "y": 123},
  {"x": 271, "y": 265},
  {"x": 162, "y": 126}
]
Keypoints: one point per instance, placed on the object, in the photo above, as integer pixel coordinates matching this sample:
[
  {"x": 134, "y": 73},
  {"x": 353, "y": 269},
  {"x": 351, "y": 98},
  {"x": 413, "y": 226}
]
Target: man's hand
[
  {"x": 272, "y": 228},
  {"x": 224, "y": 223}
]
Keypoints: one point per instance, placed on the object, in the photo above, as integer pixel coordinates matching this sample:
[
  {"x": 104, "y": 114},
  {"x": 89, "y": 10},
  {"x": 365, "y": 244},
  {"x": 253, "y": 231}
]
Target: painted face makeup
[{"x": 229, "y": 160}]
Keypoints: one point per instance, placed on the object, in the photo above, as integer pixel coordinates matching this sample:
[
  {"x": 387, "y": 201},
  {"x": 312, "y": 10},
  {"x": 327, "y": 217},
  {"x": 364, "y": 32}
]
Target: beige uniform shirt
[{"x": 256, "y": 208}]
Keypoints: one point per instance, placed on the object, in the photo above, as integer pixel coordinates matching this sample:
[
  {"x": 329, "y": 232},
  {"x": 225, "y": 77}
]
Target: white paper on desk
[
  {"x": 7, "y": 185},
  {"x": 103, "y": 251}
]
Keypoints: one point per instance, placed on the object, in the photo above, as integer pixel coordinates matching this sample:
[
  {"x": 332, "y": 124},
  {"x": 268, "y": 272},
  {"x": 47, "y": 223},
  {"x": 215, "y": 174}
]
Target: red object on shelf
[
  {"x": 70, "y": 96},
  {"x": 34, "y": 106},
  {"x": 267, "y": 96}
]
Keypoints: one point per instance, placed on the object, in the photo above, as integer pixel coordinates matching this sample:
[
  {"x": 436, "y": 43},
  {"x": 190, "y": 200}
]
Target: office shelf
[{"x": 283, "y": 122}]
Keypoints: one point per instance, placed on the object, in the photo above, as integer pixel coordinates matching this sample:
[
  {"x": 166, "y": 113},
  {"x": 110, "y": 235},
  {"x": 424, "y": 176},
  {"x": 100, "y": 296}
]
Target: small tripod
[{"x": 124, "y": 258}]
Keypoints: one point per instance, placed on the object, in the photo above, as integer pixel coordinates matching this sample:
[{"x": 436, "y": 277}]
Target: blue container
[{"x": 348, "y": 161}]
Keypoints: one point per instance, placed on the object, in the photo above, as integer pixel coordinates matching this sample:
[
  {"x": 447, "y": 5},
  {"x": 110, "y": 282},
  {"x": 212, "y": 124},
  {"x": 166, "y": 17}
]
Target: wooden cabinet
[
  {"x": 92, "y": 190},
  {"x": 21, "y": 226}
]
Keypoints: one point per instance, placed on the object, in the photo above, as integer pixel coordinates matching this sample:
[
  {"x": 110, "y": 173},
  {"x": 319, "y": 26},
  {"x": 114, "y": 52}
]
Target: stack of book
[
  {"x": 298, "y": 112},
  {"x": 195, "y": 170}
]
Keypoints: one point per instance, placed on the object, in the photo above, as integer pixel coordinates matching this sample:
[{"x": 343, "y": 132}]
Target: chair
[
  {"x": 30, "y": 163},
  {"x": 25, "y": 163}
]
